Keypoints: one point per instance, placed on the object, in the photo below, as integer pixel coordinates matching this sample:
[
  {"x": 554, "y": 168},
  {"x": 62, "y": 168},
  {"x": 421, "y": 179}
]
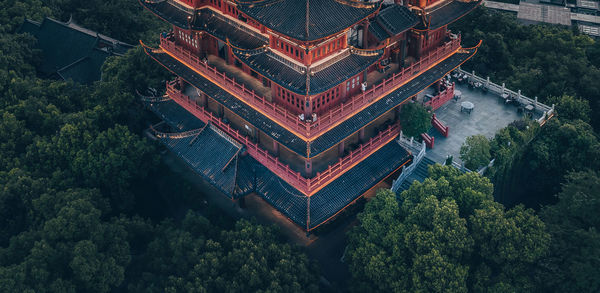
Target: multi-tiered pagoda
[{"x": 298, "y": 100}]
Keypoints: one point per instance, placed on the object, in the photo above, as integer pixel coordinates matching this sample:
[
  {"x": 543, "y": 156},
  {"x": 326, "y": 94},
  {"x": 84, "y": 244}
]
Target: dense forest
[{"x": 87, "y": 204}]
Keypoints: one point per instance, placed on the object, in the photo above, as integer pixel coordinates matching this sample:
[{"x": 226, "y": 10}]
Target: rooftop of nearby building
[{"x": 71, "y": 51}]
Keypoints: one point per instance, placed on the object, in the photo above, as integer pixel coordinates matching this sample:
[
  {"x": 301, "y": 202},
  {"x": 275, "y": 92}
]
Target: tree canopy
[
  {"x": 415, "y": 119},
  {"x": 573, "y": 263},
  {"x": 475, "y": 152},
  {"x": 445, "y": 235}
]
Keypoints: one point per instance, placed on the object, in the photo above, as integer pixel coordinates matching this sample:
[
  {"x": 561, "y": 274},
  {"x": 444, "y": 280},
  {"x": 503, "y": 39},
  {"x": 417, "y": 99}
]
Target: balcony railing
[
  {"x": 291, "y": 121},
  {"x": 307, "y": 186},
  {"x": 377, "y": 91}
]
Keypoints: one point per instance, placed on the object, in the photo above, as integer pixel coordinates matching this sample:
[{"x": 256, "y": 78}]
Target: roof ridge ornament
[{"x": 359, "y": 4}]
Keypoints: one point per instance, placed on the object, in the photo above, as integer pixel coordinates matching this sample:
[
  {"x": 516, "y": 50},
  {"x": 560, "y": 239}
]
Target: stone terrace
[{"x": 490, "y": 114}]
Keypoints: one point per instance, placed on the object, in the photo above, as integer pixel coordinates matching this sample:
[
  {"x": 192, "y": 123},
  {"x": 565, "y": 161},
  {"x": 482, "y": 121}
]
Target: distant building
[
  {"x": 70, "y": 51},
  {"x": 299, "y": 101},
  {"x": 585, "y": 14}
]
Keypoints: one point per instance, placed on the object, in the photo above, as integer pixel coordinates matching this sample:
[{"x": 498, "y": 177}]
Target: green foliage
[
  {"x": 415, "y": 119},
  {"x": 445, "y": 235},
  {"x": 123, "y": 20},
  {"x": 573, "y": 264},
  {"x": 248, "y": 258},
  {"x": 14, "y": 12},
  {"x": 75, "y": 172},
  {"x": 531, "y": 163},
  {"x": 571, "y": 108},
  {"x": 475, "y": 152}
]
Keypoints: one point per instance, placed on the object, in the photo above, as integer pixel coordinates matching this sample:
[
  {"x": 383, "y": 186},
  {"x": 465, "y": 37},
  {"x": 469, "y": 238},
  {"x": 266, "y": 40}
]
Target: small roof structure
[
  {"x": 71, "y": 51},
  {"x": 392, "y": 20}
]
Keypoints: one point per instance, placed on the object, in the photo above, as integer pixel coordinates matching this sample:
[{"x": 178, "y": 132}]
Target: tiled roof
[
  {"x": 378, "y": 31},
  {"x": 232, "y": 103},
  {"x": 71, "y": 51},
  {"x": 329, "y": 138},
  {"x": 207, "y": 153},
  {"x": 210, "y": 155},
  {"x": 395, "y": 98},
  {"x": 208, "y": 21},
  {"x": 175, "y": 116},
  {"x": 169, "y": 13},
  {"x": 325, "y": 17},
  {"x": 226, "y": 29},
  {"x": 217, "y": 160},
  {"x": 265, "y": 63},
  {"x": 396, "y": 19},
  {"x": 448, "y": 12}
]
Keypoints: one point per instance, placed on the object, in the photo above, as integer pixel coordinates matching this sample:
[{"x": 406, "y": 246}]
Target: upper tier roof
[
  {"x": 391, "y": 21},
  {"x": 324, "y": 17},
  {"x": 322, "y": 77}
]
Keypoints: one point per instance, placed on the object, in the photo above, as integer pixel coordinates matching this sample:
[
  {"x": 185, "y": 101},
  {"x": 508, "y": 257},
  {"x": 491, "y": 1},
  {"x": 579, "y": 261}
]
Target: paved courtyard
[{"x": 489, "y": 115}]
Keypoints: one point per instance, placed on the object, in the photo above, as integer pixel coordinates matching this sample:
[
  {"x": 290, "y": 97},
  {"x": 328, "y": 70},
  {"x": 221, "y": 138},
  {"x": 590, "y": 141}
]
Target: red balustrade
[
  {"x": 441, "y": 99},
  {"x": 306, "y": 185},
  {"x": 325, "y": 122},
  {"x": 273, "y": 111},
  {"x": 357, "y": 155},
  {"x": 439, "y": 126},
  {"x": 429, "y": 140}
]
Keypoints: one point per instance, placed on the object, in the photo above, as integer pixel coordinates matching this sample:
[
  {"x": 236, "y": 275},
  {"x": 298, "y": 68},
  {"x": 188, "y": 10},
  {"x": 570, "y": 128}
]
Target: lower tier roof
[
  {"x": 334, "y": 135},
  {"x": 218, "y": 160}
]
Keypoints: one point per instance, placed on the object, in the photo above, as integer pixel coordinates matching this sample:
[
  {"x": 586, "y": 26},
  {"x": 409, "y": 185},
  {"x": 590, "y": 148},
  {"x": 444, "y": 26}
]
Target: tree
[
  {"x": 571, "y": 108},
  {"x": 248, "y": 258},
  {"x": 445, "y": 235},
  {"x": 475, "y": 151},
  {"x": 573, "y": 263},
  {"x": 531, "y": 163},
  {"x": 415, "y": 119}
]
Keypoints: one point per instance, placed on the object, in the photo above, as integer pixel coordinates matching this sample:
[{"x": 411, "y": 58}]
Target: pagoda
[{"x": 298, "y": 101}]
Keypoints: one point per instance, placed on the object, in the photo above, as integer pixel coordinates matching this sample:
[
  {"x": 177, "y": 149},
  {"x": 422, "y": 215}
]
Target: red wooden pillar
[
  {"x": 275, "y": 148},
  {"x": 366, "y": 35},
  {"x": 341, "y": 148},
  {"x": 308, "y": 103},
  {"x": 361, "y": 135},
  {"x": 308, "y": 167}
]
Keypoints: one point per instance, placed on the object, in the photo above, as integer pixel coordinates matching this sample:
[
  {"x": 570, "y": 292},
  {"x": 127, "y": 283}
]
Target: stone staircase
[{"x": 419, "y": 174}]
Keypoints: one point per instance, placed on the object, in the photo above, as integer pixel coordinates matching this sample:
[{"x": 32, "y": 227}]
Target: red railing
[
  {"x": 356, "y": 156},
  {"x": 377, "y": 91},
  {"x": 441, "y": 99},
  {"x": 439, "y": 126},
  {"x": 305, "y": 185},
  {"x": 270, "y": 109},
  {"x": 289, "y": 120}
]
